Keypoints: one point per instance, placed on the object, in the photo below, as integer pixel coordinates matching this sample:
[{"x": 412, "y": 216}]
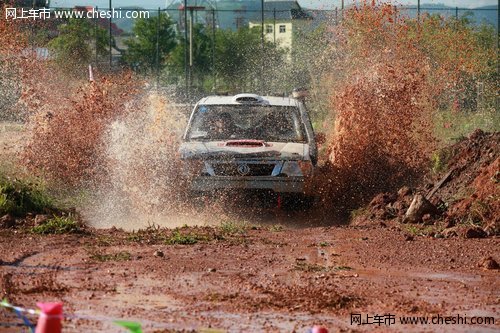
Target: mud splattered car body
[{"x": 249, "y": 142}]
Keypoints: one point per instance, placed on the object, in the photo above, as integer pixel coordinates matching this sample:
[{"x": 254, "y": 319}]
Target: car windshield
[{"x": 237, "y": 122}]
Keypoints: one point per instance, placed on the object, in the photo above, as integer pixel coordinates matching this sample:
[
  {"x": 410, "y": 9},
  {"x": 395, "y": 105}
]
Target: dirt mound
[{"x": 464, "y": 194}]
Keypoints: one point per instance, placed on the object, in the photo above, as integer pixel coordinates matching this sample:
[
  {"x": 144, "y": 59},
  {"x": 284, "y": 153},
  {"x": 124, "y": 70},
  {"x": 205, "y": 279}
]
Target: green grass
[
  {"x": 19, "y": 197},
  {"x": 439, "y": 160},
  {"x": 119, "y": 256},
  {"x": 183, "y": 239},
  {"x": 58, "y": 225},
  {"x": 421, "y": 230},
  {"x": 308, "y": 267},
  {"x": 227, "y": 231},
  {"x": 451, "y": 126},
  {"x": 343, "y": 268},
  {"x": 357, "y": 213},
  {"x": 233, "y": 228},
  {"x": 477, "y": 213},
  {"x": 153, "y": 234},
  {"x": 276, "y": 228}
]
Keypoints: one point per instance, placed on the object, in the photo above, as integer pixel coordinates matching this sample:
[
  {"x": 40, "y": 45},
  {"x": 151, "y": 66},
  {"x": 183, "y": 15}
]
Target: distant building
[
  {"x": 29, "y": 3},
  {"x": 281, "y": 19},
  {"x": 229, "y": 14}
]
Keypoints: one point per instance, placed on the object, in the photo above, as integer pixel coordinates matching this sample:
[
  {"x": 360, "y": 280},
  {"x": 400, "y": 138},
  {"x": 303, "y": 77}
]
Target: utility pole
[
  {"x": 274, "y": 25},
  {"x": 186, "y": 49},
  {"x": 213, "y": 49},
  {"x": 158, "y": 50},
  {"x": 110, "y": 36},
  {"x": 262, "y": 47},
  {"x": 192, "y": 9},
  {"x": 190, "y": 40},
  {"x": 418, "y": 10},
  {"x": 262, "y": 23},
  {"x": 95, "y": 36}
]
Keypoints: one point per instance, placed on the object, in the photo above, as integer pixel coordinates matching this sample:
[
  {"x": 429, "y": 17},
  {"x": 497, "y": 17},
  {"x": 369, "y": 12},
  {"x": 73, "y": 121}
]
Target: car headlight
[
  {"x": 306, "y": 167},
  {"x": 193, "y": 167},
  {"x": 297, "y": 168}
]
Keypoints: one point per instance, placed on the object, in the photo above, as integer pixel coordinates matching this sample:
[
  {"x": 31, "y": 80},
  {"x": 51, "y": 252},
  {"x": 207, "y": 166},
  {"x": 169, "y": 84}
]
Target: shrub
[
  {"x": 18, "y": 197},
  {"x": 183, "y": 239},
  {"x": 58, "y": 225}
]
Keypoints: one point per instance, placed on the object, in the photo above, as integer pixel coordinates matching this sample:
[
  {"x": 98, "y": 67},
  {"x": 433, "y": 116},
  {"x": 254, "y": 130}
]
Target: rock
[
  {"x": 450, "y": 223},
  {"x": 7, "y": 221},
  {"x": 475, "y": 232},
  {"x": 450, "y": 232},
  {"x": 492, "y": 229},
  {"x": 478, "y": 133},
  {"x": 428, "y": 186},
  {"x": 158, "y": 253},
  {"x": 438, "y": 202},
  {"x": 489, "y": 263},
  {"x": 427, "y": 219},
  {"x": 211, "y": 270},
  {"x": 41, "y": 219},
  {"x": 382, "y": 199},
  {"x": 419, "y": 207},
  {"x": 404, "y": 191},
  {"x": 399, "y": 207},
  {"x": 409, "y": 238}
]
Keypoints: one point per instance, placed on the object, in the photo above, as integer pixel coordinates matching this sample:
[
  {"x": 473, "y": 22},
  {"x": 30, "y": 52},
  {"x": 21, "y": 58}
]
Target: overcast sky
[{"x": 321, "y": 4}]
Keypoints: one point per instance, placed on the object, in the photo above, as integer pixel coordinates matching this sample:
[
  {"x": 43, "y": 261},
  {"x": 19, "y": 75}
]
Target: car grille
[{"x": 231, "y": 169}]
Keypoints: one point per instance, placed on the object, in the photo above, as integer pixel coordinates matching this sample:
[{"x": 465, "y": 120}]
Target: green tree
[
  {"x": 202, "y": 57},
  {"x": 142, "y": 50},
  {"x": 241, "y": 63},
  {"x": 309, "y": 61},
  {"x": 77, "y": 42}
]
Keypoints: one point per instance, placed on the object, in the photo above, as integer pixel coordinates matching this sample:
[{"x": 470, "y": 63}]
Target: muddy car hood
[{"x": 218, "y": 149}]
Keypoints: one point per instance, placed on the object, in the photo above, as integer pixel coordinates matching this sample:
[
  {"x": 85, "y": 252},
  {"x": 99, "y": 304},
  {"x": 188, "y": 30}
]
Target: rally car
[{"x": 249, "y": 141}]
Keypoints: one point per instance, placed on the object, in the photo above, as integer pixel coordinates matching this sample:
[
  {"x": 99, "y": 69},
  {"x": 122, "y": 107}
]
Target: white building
[{"x": 281, "y": 19}]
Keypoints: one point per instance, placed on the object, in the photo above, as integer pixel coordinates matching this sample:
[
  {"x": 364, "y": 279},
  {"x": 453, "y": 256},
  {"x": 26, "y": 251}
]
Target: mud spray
[
  {"x": 143, "y": 187},
  {"x": 383, "y": 74},
  {"x": 389, "y": 77}
]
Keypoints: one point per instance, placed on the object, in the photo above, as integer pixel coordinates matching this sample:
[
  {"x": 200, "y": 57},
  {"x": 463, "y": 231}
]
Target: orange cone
[{"x": 50, "y": 318}]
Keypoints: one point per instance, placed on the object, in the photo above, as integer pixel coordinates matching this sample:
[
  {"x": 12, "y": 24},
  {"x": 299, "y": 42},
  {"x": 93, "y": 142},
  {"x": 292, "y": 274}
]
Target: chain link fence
[{"x": 289, "y": 29}]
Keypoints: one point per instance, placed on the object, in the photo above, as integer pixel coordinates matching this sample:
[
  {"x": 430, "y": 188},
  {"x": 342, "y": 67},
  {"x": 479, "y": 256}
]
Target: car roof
[{"x": 266, "y": 100}]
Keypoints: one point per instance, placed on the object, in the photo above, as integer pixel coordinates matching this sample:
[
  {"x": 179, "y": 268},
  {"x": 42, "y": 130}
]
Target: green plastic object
[{"x": 132, "y": 326}]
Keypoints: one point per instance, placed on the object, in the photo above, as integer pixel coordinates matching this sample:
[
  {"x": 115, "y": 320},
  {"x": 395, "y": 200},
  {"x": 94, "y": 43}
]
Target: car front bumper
[{"x": 277, "y": 184}]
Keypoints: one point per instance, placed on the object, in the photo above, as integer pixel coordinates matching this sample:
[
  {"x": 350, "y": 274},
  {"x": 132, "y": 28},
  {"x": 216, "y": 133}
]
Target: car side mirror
[{"x": 320, "y": 138}]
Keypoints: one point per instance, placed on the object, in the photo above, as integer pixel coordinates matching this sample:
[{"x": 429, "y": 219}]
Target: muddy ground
[
  {"x": 266, "y": 279},
  {"x": 278, "y": 276}
]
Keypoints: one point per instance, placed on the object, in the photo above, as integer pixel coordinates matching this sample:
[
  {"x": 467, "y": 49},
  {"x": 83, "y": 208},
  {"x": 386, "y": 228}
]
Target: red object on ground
[
  {"x": 50, "y": 318},
  {"x": 319, "y": 329}
]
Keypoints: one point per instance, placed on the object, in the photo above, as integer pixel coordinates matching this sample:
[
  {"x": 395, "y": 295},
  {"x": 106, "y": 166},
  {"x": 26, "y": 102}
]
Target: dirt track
[{"x": 253, "y": 280}]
